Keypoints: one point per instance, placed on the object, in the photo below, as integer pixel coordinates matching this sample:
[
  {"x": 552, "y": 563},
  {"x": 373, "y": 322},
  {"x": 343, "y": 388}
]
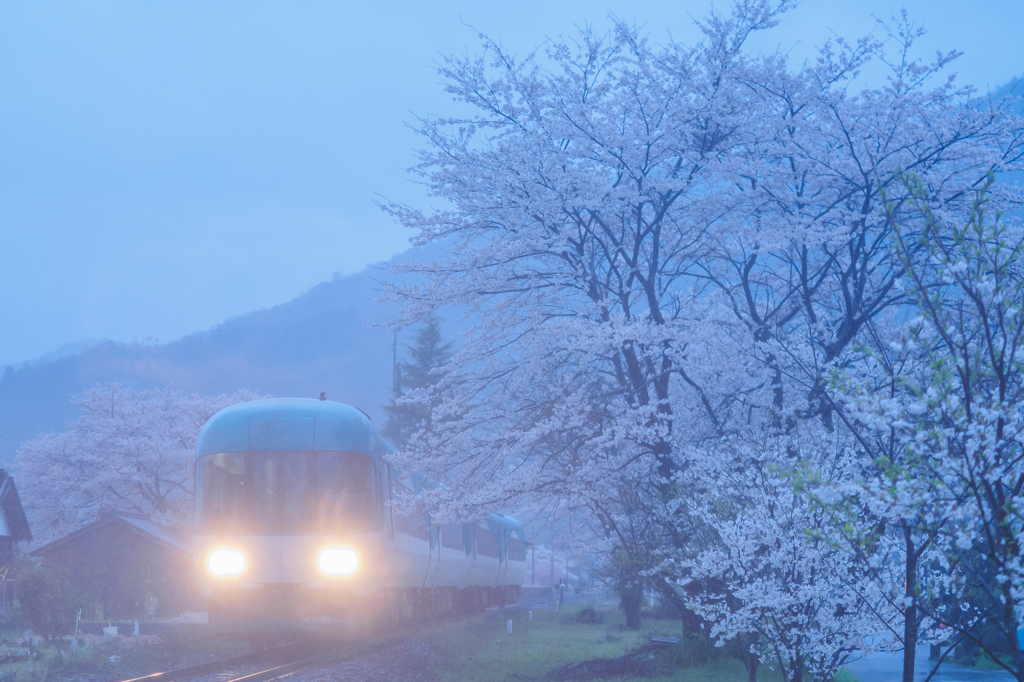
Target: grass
[
  {"x": 53, "y": 659},
  {"x": 481, "y": 650},
  {"x": 478, "y": 650},
  {"x": 985, "y": 662}
]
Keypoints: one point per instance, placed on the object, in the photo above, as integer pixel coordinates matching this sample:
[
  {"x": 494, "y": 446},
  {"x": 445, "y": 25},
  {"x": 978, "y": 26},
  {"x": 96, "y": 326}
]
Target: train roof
[
  {"x": 510, "y": 523},
  {"x": 290, "y": 424}
]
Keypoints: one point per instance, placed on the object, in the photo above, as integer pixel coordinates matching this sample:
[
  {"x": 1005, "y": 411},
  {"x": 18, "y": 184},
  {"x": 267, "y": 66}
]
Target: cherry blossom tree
[
  {"x": 958, "y": 417},
  {"x": 629, "y": 225},
  {"x": 129, "y": 449},
  {"x": 776, "y": 571},
  {"x": 667, "y": 251},
  {"x": 895, "y": 511},
  {"x": 808, "y": 264}
]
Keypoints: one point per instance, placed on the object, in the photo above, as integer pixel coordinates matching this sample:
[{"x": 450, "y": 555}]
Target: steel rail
[
  {"x": 337, "y": 655},
  {"x": 352, "y": 650},
  {"x": 213, "y": 666}
]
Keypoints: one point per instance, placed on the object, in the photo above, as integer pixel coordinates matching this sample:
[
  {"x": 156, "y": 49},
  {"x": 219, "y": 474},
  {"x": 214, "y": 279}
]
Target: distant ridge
[
  {"x": 319, "y": 341},
  {"x": 1015, "y": 89},
  {"x": 64, "y": 351}
]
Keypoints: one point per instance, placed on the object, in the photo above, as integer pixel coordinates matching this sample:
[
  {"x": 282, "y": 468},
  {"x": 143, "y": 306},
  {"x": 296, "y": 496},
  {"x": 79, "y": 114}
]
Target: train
[{"x": 296, "y": 531}]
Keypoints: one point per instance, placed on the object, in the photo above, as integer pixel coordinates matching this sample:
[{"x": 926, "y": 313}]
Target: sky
[{"x": 167, "y": 165}]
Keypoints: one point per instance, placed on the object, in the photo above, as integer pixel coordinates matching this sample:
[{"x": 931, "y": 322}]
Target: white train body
[{"x": 295, "y": 531}]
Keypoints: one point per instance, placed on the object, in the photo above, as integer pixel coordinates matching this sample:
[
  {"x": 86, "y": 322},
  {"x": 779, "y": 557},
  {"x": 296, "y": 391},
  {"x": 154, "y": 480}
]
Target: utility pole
[{"x": 396, "y": 379}]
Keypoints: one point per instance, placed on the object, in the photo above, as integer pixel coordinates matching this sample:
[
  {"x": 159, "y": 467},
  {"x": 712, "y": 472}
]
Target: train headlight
[
  {"x": 338, "y": 561},
  {"x": 225, "y": 562}
]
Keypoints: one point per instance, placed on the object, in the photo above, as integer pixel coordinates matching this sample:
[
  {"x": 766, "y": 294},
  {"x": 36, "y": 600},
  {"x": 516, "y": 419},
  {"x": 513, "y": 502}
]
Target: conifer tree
[{"x": 409, "y": 409}]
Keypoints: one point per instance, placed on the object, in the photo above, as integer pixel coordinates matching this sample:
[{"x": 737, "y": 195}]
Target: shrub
[
  {"x": 589, "y": 616},
  {"x": 692, "y": 651},
  {"x": 46, "y": 596}
]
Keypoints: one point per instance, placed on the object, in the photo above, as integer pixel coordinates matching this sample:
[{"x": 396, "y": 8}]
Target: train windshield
[{"x": 273, "y": 492}]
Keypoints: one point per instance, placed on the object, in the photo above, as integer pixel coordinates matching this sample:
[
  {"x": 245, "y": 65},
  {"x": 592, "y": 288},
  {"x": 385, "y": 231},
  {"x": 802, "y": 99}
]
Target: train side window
[
  {"x": 486, "y": 542},
  {"x": 516, "y": 549},
  {"x": 452, "y": 536}
]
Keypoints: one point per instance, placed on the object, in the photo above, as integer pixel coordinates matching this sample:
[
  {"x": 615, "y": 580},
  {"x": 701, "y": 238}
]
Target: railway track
[
  {"x": 253, "y": 667},
  {"x": 255, "y": 658},
  {"x": 337, "y": 655},
  {"x": 239, "y": 668},
  {"x": 269, "y": 665}
]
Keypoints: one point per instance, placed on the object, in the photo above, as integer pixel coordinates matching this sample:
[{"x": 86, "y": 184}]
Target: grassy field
[
  {"x": 121, "y": 659},
  {"x": 483, "y": 651},
  {"x": 478, "y": 650}
]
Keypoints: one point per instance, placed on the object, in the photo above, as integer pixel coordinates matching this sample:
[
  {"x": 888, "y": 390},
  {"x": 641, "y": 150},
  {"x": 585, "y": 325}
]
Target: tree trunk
[
  {"x": 750, "y": 662},
  {"x": 910, "y": 622},
  {"x": 632, "y": 599},
  {"x": 1010, "y": 620}
]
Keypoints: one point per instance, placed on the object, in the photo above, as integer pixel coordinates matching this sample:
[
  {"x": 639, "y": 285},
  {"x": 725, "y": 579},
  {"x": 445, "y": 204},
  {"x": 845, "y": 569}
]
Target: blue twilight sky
[{"x": 166, "y": 165}]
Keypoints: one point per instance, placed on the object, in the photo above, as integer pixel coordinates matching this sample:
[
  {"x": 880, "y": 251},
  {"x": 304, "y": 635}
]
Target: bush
[
  {"x": 589, "y": 616},
  {"x": 14, "y": 619},
  {"x": 46, "y": 596},
  {"x": 692, "y": 651},
  {"x": 663, "y": 609}
]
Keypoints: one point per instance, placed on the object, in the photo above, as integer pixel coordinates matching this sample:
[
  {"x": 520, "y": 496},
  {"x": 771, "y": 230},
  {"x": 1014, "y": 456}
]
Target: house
[
  {"x": 128, "y": 567},
  {"x": 13, "y": 529}
]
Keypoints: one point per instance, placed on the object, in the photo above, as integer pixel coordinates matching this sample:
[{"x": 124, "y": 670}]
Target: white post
[{"x": 74, "y": 640}]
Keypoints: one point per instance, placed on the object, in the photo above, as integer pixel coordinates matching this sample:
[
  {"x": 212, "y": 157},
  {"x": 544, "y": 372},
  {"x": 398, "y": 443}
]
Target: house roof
[
  {"x": 136, "y": 523},
  {"x": 14, "y": 513}
]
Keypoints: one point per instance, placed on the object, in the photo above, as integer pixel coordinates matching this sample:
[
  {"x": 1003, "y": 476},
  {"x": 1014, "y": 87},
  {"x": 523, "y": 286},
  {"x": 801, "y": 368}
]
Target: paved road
[{"x": 884, "y": 667}]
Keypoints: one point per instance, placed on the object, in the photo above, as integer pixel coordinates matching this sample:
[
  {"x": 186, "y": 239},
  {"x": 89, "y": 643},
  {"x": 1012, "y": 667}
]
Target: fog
[
  {"x": 167, "y": 167},
  {"x": 359, "y": 336}
]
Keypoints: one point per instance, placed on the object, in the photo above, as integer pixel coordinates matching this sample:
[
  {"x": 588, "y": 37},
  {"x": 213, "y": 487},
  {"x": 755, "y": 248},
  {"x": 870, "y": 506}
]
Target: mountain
[
  {"x": 64, "y": 351},
  {"x": 320, "y": 341},
  {"x": 1014, "y": 90}
]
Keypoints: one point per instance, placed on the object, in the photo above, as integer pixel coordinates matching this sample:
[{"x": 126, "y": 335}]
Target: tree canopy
[
  {"x": 129, "y": 449},
  {"x": 680, "y": 263}
]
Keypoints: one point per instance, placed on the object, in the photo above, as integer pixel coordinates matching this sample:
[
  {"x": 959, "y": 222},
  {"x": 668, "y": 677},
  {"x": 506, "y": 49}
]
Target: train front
[{"x": 289, "y": 518}]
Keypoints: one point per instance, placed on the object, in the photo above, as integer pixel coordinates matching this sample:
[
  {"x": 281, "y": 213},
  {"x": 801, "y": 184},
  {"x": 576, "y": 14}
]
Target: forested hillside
[{"x": 319, "y": 341}]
